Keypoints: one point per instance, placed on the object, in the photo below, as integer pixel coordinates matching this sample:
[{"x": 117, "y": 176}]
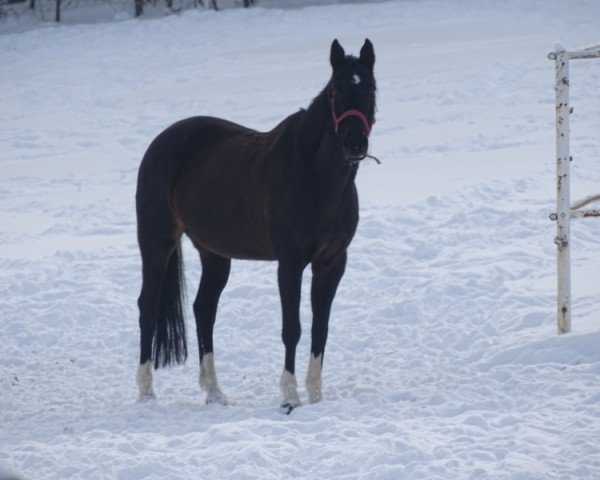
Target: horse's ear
[
  {"x": 367, "y": 54},
  {"x": 338, "y": 56}
]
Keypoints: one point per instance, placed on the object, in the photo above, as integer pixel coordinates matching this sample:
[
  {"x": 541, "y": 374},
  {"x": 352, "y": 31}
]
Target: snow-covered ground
[{"x": 443, "y": 360}]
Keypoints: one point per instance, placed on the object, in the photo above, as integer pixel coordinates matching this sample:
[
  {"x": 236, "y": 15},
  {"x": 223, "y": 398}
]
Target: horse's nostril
[{"x": 356, "y": 148}]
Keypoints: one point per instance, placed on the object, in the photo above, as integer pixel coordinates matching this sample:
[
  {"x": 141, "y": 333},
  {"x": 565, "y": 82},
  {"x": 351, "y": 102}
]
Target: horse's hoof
[
  {"x": 216, "y": 398},
  {"x": 288, "y": 407},
  {"x": 314, "y": 397},
  {"x": 147, "y": 397}
]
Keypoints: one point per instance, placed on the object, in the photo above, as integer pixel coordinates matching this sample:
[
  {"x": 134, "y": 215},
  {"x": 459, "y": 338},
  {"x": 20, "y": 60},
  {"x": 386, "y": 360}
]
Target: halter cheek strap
[{"x": 351, "y": 113}]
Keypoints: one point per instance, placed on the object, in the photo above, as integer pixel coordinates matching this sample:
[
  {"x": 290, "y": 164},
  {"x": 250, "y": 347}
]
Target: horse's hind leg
[
  {"x": 215, "y": 273},
  {"x": 154, "y": 267},
  {"x": 158, "y": 242}
]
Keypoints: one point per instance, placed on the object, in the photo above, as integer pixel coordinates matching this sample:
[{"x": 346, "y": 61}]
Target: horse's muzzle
[
  {"x": 355, "y": 158},
  {"x": 356, "y": 151}
]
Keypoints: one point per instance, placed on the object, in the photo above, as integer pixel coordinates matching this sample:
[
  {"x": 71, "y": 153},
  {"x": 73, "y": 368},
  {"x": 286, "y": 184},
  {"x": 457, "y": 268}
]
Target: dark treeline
[
  {"x": 138, "y": 5},
  {"x": 212, "y": 4}
]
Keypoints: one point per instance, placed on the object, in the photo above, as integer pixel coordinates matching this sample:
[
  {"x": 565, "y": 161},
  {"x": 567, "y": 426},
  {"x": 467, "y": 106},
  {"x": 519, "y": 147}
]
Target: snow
[{"x": 443, "y": 359}]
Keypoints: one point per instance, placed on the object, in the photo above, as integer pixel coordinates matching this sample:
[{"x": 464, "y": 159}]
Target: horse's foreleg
[
  {"x": 215, "y": 273},
  {"x": 326, "y": 278},
  {"x": 289, "y": 276}
]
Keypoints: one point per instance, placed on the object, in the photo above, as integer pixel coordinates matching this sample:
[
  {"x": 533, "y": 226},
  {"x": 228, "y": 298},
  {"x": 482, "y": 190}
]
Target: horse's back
[
  {"x": 175, "y": 145},
  {"x": 215, "y": 178}
]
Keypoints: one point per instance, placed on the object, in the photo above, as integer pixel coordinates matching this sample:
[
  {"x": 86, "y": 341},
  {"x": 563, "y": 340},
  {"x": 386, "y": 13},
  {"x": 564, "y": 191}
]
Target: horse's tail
[{"x": 170, "y": 345}]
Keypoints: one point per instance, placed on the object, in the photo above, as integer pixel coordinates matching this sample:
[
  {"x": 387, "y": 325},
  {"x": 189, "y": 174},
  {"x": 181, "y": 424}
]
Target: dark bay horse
[{"x": 286, "y": 195}]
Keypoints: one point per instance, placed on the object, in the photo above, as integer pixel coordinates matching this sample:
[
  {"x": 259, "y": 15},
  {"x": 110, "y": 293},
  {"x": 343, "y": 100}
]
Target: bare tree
[{"x": 210, "y": 4}]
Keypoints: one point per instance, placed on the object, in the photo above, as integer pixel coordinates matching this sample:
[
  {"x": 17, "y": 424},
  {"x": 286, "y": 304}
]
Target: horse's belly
[
  {"x": 232, "y": 244},
  {"x": 230, "y": 229}
]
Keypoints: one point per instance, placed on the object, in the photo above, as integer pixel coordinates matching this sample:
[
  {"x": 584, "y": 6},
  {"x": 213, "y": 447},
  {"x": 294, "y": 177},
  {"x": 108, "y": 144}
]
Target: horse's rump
[{"x": 216, "y": 181}]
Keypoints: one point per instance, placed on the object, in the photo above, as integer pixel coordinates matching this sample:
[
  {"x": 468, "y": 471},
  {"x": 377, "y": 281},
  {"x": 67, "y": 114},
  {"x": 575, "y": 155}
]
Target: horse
[{"x": 287, "y": 195}]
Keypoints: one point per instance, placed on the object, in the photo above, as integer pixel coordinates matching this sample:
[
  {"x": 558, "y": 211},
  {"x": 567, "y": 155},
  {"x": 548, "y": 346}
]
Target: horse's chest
[{"x": 327, "y": 232}]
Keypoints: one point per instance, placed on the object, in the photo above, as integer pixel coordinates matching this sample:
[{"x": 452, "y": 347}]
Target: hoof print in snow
[{"x": 147, "y": 398}]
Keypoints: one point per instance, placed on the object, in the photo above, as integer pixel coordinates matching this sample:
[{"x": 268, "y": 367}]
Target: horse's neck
[
  {"x": 320, "y": 163},
  {"x": 315, "y": 125},
  {"x": 318, "y": 145}
]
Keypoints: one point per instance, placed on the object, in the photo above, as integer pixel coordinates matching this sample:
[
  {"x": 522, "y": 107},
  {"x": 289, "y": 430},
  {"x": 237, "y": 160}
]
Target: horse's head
[{"x": 352, "y": 97}]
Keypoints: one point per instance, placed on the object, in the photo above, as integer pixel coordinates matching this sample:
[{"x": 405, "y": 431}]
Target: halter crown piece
[{"x": 351, "y": 113}]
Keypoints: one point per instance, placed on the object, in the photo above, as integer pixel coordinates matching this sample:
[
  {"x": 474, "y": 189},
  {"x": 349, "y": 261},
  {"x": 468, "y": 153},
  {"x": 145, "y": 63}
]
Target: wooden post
[{"x": 57, "y": 18}]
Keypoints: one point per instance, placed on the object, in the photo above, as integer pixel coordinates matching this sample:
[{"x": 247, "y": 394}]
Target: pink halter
[{"x": 351, "y": 113}]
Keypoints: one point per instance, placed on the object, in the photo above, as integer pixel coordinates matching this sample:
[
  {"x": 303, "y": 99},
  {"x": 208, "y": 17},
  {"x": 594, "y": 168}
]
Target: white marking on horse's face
[{"x": 355, "y": 79}]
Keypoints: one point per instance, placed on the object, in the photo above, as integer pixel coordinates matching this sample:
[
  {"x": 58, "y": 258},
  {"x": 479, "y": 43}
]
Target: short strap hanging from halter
[{"x": 351, "y": 113}]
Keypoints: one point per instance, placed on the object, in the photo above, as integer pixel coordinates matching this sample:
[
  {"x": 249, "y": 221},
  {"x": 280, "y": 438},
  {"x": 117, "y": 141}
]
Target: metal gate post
[
  {"x": 564, "y": 210},
  {"x": 563, "y": 195}
]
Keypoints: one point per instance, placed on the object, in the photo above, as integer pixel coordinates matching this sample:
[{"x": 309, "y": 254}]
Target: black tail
[{"x": 170, "y": 345}]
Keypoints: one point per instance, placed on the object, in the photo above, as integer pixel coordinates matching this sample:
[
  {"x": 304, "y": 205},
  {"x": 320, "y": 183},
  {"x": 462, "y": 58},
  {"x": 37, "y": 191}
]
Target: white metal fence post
[
  {"x": 563, "y": 196},
  {"x": 564, "y": 210}
]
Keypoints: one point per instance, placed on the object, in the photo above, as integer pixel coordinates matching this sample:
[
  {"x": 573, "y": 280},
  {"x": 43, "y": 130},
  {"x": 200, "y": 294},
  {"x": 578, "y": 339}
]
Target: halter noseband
[{"x": 351, "y": 113}]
